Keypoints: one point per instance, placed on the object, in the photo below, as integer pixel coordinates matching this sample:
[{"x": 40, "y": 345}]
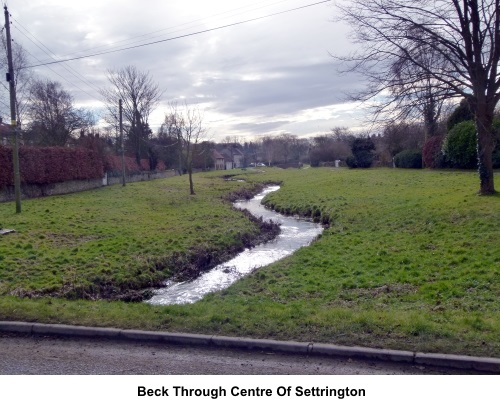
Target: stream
[{"x": 295, "y": 233}]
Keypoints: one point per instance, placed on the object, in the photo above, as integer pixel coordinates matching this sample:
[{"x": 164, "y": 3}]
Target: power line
[
  {"x": 171, "y": 30},
  {"x": 69, "y": 69},
  {"x": 181, "y": 36},
  {"x": 61, "y": 76}
]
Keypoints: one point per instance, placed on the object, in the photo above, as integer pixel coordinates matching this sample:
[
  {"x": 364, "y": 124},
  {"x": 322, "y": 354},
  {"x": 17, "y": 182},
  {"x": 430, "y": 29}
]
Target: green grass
[
  {"x": 108, "y": 241},
  {"x": 410, "y": 260}
]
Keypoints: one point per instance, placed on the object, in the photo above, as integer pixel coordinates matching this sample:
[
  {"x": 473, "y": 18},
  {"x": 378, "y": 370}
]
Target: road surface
[{"x": 42, "y": 355}]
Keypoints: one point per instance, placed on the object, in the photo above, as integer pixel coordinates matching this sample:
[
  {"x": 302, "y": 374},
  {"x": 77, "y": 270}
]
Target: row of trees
[
  {"x": 53, "y": 120},
  {"x": 47, "y": 115},
  {"x": 418, "y": 55}
]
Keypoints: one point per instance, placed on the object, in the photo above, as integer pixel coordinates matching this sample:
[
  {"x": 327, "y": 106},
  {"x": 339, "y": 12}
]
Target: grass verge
[{"x": 410, "y": 259}]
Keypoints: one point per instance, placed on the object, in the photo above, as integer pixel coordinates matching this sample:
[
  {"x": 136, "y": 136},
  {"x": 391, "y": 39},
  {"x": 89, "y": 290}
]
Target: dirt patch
[
  {"x": 68, "y": 240},
  {"x": 393, "y": 289}
]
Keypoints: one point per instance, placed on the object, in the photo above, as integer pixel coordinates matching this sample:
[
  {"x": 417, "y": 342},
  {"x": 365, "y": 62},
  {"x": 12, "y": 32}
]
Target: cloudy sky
[{"x": 266, "y": 76}]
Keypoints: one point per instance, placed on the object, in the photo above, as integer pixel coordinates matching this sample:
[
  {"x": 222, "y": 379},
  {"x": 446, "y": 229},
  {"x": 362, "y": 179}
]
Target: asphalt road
[{"x": 44, "y": 355}]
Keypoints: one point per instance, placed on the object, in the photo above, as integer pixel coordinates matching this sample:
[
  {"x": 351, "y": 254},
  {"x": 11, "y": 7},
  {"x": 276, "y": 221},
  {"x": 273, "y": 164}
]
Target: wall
[
  {"x": 73, "y": 186},
  {"x": 43, "y": 190},
  {"x": 110, "y": 180}
]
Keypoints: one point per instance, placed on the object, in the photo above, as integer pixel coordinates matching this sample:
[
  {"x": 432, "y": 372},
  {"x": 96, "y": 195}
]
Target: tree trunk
[
  {"x": 180, "y": 169},
  {"x": 191, "y": 186},
  {"x": 484, "y": 127}
]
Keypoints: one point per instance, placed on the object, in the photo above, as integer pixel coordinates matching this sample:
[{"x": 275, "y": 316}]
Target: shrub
[
  {"x": 314, "y": 157},
  {"x": 460, "y": 145},
  {"x": 496, "y": 158},
  {"x": 351, "y": 162},
  {"x": 409, "y": 159},
  {"x": 362, "y": 151},
  {"x": 364, "y": 158},
  {"x": 433, "y": 153}
]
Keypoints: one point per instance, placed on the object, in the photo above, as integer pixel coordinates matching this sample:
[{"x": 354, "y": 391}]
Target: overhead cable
[{"x": 179, "y": 36}]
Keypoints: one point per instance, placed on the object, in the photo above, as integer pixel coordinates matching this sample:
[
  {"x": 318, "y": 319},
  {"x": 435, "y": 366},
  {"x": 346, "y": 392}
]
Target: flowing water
[{"x": 295, "y": 233}]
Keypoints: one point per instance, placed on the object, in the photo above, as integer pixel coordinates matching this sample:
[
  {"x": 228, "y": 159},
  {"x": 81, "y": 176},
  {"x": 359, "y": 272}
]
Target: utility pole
[
  {"x": 121, "y": 141},
  {"x": 13, "y": 122}
]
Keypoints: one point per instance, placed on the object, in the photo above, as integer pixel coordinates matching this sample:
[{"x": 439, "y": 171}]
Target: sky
[{"x": 257, "y": 78}]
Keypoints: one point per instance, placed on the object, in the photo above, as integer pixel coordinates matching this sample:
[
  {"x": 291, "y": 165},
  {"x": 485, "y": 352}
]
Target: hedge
[
  {"x": 408, "y": 159},
  {"x": 50, "y": 165},
  {"x": 5, "y": 166},
  {"x": 113, "y": 164}
]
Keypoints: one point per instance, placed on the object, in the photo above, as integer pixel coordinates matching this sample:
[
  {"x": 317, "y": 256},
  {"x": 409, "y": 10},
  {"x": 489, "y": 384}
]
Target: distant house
[
  {"x": 233, "y": 157},
  {"x": 227, "y": 158},
  {"x": 219, "y": 160}
]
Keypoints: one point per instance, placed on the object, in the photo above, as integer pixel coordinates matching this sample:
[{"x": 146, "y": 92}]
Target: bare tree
[
  {"x": 401, "y": 136},
  {"x": 186, "y": 123},
  {"x": 463, "y": 36},
  {"x": 286, "y": 142},
  {"x": 419, "y": 98},
  {"x": 23, "y": 79},
  {"x": 167, "y": 146},
  {"x": 140, "y": 96},
  {"x": 52, "y": 117},
  {"x": 270, "y": 149}
]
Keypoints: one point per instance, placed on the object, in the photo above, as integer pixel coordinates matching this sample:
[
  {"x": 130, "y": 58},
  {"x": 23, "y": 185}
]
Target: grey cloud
[
  {"x": 259, "y": 127},
  {"x": 289, "y": 52},
  {"x": 296, "y": 88}
]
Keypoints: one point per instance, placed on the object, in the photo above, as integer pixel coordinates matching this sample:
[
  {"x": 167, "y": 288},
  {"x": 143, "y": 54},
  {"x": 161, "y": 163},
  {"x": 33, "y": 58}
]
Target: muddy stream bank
[{"x": 295, "y": 233}]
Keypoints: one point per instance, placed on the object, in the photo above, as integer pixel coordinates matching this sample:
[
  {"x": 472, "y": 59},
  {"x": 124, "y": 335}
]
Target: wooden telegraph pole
[
  {"x": 13, "y": 121},
  {"x": 121, "y": 141}
]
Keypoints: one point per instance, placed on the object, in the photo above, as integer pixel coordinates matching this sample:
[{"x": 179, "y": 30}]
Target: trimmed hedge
[
  {"x": 50, "y": 165},
  {"x": 408, "y": 159},
  {"x": 113, "y": 164},
  {"x": 6, "y": 175}
]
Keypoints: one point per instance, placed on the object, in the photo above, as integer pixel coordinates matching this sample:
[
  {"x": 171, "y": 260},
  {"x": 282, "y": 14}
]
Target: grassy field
[
  {"x": 115, "y": 241},
  {"x": 410, "y": 259}
]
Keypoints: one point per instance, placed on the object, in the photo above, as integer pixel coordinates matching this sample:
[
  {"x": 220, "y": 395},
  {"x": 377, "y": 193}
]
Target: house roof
[
  {"x": 217, "y": 155},
  {"x": 234, "y": 150},
  {"x": 226, "y": 155}
]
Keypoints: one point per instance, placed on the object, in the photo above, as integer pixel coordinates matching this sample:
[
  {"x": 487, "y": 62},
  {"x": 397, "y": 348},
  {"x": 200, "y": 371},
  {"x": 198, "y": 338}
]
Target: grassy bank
[
  {"x": 115, "y": 242},
  {"x": 410, "y": 260}
]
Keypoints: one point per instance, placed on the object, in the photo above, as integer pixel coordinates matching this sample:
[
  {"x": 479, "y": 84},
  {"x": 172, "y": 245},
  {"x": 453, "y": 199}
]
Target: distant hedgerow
[
  {"x": 408, "y": 159},
  {"x": 50, "y": 165}
]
